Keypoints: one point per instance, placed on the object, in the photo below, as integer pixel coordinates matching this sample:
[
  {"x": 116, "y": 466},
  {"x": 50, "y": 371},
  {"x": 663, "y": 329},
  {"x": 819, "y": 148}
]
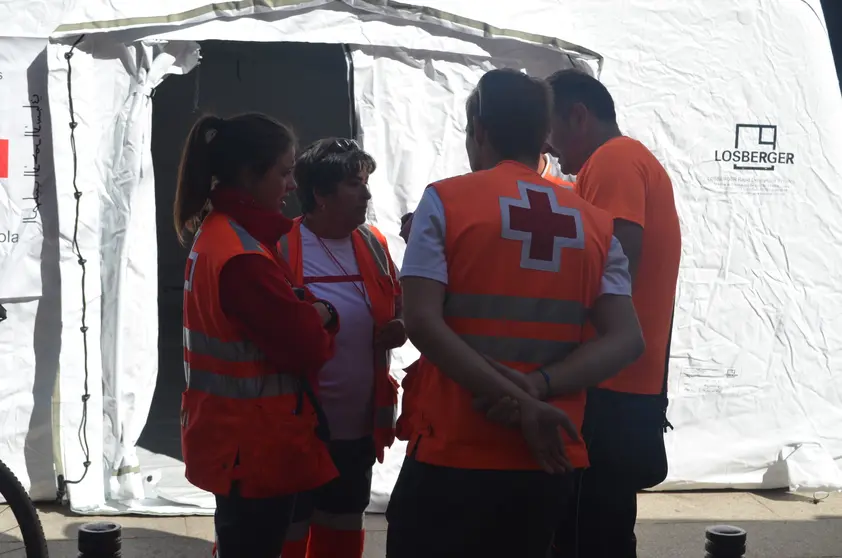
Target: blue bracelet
[{"x": 546, "y": 378}]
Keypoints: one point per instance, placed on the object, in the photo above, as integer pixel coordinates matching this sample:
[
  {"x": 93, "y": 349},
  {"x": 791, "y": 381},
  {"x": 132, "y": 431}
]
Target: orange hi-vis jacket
[
  {"x": 409, "y": 402},
  {"x": 381, "y": 285},
  {"x": 403, "y": 427},
  {"x": 525, "y": 260},
  {"x": 241, "y": 420},
  {"x": 547, "y": 174}
]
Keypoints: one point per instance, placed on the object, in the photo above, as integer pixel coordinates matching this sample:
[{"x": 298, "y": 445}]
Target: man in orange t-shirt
[{"x": 620, "y": 175}]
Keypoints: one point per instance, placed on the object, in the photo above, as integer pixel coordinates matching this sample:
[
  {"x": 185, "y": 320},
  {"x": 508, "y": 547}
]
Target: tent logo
[{"x": 755, "y": 148}]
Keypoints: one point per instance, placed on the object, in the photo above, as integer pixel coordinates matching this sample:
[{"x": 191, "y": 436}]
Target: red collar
[{"x": 267, "y": 227}]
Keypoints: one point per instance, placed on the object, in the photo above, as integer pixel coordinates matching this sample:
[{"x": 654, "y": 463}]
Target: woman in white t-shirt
[{"x": 346, "y": 262}]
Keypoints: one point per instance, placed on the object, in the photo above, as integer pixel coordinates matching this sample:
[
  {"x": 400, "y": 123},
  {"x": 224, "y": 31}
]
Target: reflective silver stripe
[
  {"x": 269, "y": 385},
  {"x": 298, "y": 531},
  {"x": 339, "y": 521},
  {"x": 515, "y": 349},
  {"x": 385, "y": 417},
  {"x": 248, "y": 241},
  {"x": 514, "y": 308},
  {"x": 377, "y": 250},
  {"x": 284, "y": 246},
  {"x": 232, "y": 351}
]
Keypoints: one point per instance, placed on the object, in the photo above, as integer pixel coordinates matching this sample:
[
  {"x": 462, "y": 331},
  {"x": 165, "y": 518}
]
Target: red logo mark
[{"x": 4, "y": 158}]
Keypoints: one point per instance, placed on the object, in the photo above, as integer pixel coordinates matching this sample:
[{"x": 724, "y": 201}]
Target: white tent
[{"x": 755, "y": 401}]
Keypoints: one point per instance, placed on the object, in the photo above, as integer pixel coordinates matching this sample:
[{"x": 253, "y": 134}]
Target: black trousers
[
  {"x": 625, "y": 438},
  {"x": 443, "y": 512},
  {"x": 251, "y": 527},
  {"x": 350, "y": 492}
]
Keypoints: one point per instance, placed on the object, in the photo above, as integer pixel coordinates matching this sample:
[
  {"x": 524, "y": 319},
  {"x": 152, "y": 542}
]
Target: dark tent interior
[
  {"x": 302, "y": 84},
  {"x": 833, "y": 19}
]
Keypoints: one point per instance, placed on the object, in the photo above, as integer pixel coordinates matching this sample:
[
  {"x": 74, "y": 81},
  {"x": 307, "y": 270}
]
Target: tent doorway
[{"x": 302, "y": 84}]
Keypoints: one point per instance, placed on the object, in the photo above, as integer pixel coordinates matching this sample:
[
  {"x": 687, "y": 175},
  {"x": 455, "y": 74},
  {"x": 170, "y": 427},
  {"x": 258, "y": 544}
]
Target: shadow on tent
[
  {"x": 48, "y": 325},
  {"x": 305, "y": 85}
]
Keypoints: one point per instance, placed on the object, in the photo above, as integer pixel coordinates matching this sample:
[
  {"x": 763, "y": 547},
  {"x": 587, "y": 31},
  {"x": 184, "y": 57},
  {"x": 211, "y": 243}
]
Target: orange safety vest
[
  {"x": 241, "y": 420},
  {"x": 519, "y": 290},
  {"x": 403, "y": 428},
  {"x": 547, "y": 174},
  {"x": 381, "y": 285},
  {"x": 409, "y": 402}
]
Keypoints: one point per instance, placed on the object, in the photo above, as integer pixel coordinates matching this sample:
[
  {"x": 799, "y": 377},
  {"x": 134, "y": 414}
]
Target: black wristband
[{"x": 331, "y": 310}]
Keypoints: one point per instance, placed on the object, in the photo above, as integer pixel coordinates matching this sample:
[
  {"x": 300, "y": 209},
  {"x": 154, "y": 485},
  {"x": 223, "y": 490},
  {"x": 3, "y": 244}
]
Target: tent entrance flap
[{"x": 301, "y": 84}]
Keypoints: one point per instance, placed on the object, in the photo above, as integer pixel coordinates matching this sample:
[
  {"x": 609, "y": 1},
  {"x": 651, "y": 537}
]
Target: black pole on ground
[
  {"x": 725, "y": 541},
  {"x": 100, "y": 540}
]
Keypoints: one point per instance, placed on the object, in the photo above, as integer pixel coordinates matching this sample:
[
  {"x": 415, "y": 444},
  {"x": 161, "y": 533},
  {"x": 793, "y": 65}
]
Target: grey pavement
[{"x": 671, "y": 525}]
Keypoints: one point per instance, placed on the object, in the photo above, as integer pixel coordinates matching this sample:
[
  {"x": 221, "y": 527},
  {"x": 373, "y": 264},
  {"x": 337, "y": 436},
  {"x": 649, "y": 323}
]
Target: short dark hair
[
  {"x": 514, "y": 109},
  {"x": 221, "y": 149},
  {"x": 574, "y": 86},
  {"x": 324, "y": 164}
]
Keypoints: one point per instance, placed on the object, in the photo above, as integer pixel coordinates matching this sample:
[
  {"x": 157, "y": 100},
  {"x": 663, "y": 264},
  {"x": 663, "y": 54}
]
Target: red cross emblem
[{"x": 542, "y": 225}]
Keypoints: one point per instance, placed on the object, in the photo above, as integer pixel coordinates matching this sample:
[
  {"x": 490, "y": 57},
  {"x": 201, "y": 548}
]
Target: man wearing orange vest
[
  {"x": 346, "y": 262},
  {"x": 626, "y": 416},
  {"x": 501, "y": 275}
]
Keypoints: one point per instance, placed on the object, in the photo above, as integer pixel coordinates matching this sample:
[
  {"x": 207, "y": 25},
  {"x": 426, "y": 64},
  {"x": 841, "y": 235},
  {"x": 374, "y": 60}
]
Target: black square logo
[
  {"x": 755, "y": 137},
  {"x": 755, "y": 149}
]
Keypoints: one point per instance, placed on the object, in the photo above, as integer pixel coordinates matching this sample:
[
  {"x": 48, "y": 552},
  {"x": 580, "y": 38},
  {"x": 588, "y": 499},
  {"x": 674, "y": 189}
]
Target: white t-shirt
[{"x": 346, "y": 382}]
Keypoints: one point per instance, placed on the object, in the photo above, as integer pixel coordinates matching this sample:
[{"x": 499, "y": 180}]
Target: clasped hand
[
  {"x": 539, "y": 422},
  {"x": 391, "y": 336}
]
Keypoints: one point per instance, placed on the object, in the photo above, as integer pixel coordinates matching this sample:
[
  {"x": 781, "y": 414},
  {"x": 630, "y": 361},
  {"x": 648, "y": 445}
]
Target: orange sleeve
[{"x": 616, "y": 183}]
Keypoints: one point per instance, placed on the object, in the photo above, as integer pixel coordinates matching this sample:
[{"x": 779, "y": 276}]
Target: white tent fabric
[
  {"x": 29, "y": 280},
  {"x": 755, "y": 398},
  {"x": 25, "y": 156},
  {"x": 25, "y": 167}
]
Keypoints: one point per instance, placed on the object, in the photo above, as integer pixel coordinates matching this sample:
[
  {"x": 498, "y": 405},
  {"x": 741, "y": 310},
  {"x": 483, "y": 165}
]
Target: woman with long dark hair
[{"x": 253, "y": 339}]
